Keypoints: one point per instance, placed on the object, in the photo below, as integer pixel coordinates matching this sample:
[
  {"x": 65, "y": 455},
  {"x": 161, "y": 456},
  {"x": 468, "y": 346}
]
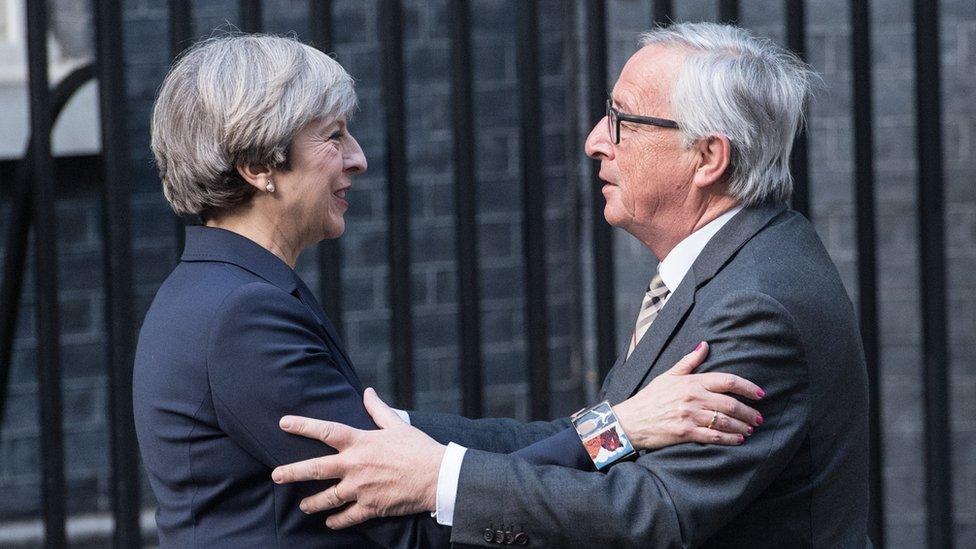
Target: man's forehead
[{"x": 647, "y": 74}]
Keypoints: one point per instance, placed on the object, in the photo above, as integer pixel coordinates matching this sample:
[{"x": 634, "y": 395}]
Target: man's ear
[
  {"x": 257, "y": 175},
  {"x": 715, "y": 155}
]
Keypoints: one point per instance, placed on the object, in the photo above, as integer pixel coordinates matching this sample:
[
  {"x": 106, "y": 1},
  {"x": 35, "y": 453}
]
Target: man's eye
[{"x": 336, "y": 136}]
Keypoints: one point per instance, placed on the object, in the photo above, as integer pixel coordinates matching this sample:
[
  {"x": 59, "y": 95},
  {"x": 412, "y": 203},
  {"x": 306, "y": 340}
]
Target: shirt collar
[{"x": 676, "y": 264}]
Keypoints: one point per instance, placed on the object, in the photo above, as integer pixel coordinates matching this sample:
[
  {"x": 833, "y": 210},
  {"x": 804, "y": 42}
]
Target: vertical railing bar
[
  {"x": 603, "y": 264},
  {"x": 46, "y": 279},
  {"x": 250, "y": 15},
  {"x": 728, "y": 12},
  {"x": 180, "y": 34},
  {"x": 330, "y": 250},
  {"x": 662, "y": 13},
  {"x": 14, "y": 262},
  {"x": 398, "y": 206},
  {"x": 118, "y": 272},
  {"x": 931, "y": 245},
  {"x": 867, "y": 279},
  {"x": 465, "y": 212},
  {"x": 18, "y": 230},
  {"x": 799, "y": 164},
  {"x": 533, "y": 207}
]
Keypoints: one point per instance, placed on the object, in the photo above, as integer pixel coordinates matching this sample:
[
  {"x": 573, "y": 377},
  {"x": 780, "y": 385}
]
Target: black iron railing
[{"x": 32, "y": 200}]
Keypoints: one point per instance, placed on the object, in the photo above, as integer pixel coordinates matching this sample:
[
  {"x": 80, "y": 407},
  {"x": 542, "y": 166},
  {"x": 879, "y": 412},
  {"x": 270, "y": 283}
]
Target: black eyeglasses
[{"x": 614, "y": 117}]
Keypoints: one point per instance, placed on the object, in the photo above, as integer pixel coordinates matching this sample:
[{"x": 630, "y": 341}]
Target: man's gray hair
[
  {"x": 239, "y": 100},
  {"x": 746, "y": 88}
]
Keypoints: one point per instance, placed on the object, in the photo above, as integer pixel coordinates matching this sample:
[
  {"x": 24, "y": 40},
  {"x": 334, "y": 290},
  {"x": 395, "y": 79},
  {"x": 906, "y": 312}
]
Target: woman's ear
[
  {"x": 256, "y": 175},
  {"x": 715, "y": 155}
]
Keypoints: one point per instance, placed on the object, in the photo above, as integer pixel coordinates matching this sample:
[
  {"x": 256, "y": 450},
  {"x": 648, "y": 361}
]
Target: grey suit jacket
[{"x": 769, "y": 301}]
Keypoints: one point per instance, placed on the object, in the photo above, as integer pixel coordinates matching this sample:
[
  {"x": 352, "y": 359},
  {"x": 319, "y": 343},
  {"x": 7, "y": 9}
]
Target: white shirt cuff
[
  {"x": 447, "y": 484},
  {"x": 403, "y": 415}
]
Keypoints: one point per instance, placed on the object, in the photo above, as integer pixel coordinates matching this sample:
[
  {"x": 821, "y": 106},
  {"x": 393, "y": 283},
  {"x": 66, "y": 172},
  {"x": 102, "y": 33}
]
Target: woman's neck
[{"x": 266, "y": 231}]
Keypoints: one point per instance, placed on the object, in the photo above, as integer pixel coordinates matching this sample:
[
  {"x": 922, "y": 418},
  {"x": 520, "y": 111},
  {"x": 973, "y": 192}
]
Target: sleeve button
[
  {"x": 489, "y": 535},
  {"x": 509, "y": 537},
  {"x": 499, "y": 536},
  {"x": 521, "y": 539}
]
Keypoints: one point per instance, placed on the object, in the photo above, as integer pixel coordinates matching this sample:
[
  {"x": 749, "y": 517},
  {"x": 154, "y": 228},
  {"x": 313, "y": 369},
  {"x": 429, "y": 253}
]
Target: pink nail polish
[
  {"x": 749, "y": 430},
  {"x": 742, "y": 439},
  {"x": 760, "y": 393},
  {"x": 759, "y": 419},
  {"x": 699, "y": 346}
]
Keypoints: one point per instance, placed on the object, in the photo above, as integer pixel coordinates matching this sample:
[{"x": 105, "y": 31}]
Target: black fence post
[
  {"x": 796, "y": 40},
  {"x": 15, "y": 247},
  {"x": 249, "y": 12},
  {"x": 330, "y": 251},
  {"x": 180, "y": 35},
  {"x": 603, "y": 274},
  {"x": 14, "y": 262},
  {"x": 398, "y": 204},
  {"x": 118, "y": 272},
  {"x": 931, "y": 245},
  {"x": 728, "y": 12},
  {"x": 46, "y": 279},
  {"x": 465, "y": 210},
  {"x": 662, "y": 13},
  {"x": 533, "y": 206},
  {"x": 867, "y": 262}
]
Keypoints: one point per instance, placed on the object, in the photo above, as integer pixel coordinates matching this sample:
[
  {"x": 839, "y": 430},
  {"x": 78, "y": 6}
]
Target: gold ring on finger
[
  {"x": 335, "y": 492},
  {"x": 711, "y": 424}
]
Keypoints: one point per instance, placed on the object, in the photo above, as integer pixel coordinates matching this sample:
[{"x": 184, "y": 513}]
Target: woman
[{"x": 250, "y": 133}]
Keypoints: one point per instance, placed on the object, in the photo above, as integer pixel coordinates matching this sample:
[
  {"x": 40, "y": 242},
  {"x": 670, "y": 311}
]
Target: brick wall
[{"x": 364, "y": 274}]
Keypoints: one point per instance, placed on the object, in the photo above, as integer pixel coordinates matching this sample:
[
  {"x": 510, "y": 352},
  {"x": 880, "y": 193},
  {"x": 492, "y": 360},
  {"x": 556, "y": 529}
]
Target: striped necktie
[{"x": 650, "y": 306}]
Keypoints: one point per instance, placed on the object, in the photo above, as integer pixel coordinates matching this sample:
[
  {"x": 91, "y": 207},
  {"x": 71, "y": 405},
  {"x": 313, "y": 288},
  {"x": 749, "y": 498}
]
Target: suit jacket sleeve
[
  {"x": 491, "y": 434},
  {"x": 673, "y": 497},
  {"x": 267, "y": 358}
]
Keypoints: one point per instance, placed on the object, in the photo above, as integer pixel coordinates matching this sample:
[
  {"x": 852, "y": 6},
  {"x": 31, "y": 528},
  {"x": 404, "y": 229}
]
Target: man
[{"x": 694, "y": 157}]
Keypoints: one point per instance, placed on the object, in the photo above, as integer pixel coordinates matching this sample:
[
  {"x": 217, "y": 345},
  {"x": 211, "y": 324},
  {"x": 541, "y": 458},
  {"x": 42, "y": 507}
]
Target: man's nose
[{"x": 597, "y": 144}]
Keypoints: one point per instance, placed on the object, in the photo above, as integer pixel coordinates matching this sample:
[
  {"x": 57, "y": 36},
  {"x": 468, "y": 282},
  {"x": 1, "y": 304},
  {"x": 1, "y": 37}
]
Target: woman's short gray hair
[
  {"x": 238, "y": 100},
  {"x": 746, "y": 88}
]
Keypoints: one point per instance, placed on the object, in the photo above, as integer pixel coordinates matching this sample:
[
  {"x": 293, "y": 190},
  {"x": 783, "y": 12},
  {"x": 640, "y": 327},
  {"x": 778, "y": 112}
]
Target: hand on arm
[
  {"x": 387, "y": 472},
  {"x": 679, "y": 406}
]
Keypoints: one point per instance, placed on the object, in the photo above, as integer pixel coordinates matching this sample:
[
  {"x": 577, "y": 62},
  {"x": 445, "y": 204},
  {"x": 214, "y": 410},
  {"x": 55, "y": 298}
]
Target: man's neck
[{"x": 683, "y": 226}]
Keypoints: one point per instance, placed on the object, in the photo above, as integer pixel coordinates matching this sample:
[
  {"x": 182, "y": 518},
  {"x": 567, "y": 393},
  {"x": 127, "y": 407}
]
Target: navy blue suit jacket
[{"x": 233, "y": 341}]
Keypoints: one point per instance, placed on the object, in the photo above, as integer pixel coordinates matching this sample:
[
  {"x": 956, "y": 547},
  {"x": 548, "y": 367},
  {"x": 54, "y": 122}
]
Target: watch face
[{"x": 604, "y": 441}]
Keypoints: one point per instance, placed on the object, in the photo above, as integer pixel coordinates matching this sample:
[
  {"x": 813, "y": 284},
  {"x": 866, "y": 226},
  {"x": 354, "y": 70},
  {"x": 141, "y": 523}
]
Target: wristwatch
[{"x": 601, "y": 435}]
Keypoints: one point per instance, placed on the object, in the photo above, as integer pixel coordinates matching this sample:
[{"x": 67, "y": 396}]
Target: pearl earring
[{"x": 270, "y": 186}]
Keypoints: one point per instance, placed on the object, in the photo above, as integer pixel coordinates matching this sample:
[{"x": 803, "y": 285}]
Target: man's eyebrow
[{"x": 621, "y": 104}]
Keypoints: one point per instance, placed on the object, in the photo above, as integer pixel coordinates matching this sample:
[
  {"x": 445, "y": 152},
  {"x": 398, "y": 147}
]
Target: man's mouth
[{"x": 341, "y": 195}]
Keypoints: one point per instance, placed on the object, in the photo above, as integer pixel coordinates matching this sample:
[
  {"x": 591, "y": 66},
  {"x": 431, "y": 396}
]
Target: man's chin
[{"x": 611, "y": 216}]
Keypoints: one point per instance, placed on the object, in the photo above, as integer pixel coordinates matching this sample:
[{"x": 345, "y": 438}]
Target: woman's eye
[{"x": 336, "y": 136}]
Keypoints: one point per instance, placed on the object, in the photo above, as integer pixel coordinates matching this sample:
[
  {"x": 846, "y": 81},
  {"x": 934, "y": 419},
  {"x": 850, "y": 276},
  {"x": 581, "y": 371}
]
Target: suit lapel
[
  {"x": 632, "y": 371},
  {"x": 628, "y": 375},
  {"x": 305, "y": 295}
]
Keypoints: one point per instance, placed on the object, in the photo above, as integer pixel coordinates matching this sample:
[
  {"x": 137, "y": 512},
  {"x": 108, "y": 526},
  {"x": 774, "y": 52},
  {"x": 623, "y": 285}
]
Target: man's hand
[{"x": 388, "y": 472}]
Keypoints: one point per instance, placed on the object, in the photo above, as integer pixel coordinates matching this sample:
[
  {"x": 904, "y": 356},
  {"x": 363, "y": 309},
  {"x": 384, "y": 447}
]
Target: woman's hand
[{"x": 679, "y": 406}]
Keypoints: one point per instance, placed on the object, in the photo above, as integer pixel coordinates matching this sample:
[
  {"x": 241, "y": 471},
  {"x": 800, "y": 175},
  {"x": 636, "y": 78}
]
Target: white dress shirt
[{"x": 673, "y": 269}]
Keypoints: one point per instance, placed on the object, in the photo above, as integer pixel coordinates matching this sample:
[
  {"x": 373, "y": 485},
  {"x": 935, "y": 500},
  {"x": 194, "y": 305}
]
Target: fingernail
[
  {"x": 285, "y": 423},
  {"x": 759, "y": 419},
  {"x": 699, "y": 346},
  {"x": 304, "y": 507},
  {"x": 749, "y": 430},
  {"x": 742, "y": 439},
  {"x": 760, "y": 393},
  {"x": 276, "y": 476}
]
